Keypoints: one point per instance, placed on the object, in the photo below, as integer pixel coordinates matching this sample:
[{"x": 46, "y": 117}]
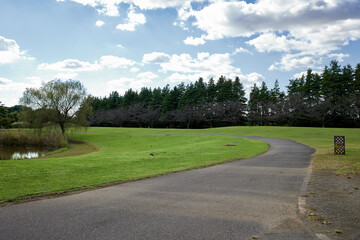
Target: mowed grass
[
  {"x": 118, "y": 154},
  {"x": 322, "y": 139},
  {"x": 124, "y": 154}
]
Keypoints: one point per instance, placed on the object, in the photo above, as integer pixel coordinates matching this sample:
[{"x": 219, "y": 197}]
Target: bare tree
[
  {"x": 212, "y": 112},
  {"x": 61, "y": 102},
  {"x": 188, "y": 114},
  {"x": 234, "y": 112},
  {"x": 319, "y": 111}
]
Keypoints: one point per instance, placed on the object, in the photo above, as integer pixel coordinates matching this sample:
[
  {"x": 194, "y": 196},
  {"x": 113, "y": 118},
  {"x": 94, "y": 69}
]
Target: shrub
[{"x": 52, "y": 139}]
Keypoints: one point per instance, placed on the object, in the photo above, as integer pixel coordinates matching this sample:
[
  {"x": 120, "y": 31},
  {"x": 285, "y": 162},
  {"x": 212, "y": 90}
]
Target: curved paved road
[{"x": 237, "y": 200}]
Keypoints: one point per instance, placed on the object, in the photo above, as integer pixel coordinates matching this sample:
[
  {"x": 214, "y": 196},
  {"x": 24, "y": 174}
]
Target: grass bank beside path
[
  {"x": 322, "y": 139},
  {"x": 123, "y": 154},
  {"x": 119, "y": 154}
]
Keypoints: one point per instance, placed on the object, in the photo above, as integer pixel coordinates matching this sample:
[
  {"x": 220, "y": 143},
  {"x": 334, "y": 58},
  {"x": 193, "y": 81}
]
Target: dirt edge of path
[{"x": 333, "y": 205}]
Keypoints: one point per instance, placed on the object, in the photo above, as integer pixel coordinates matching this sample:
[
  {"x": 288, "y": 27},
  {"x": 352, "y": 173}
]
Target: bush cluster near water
[{"x": 53, "y": 139}]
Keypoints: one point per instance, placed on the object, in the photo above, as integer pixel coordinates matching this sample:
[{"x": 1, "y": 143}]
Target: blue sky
[{"x": 120, "y": 44}]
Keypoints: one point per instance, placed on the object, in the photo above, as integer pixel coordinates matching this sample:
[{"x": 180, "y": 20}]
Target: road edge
[{"x": 303, "y": 194}]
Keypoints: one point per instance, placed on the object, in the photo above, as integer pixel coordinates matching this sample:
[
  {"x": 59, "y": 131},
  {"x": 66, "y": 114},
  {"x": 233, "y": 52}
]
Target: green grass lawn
[
  {"x": 122, "y": 155},
  {"x": 322, "y": 139}
]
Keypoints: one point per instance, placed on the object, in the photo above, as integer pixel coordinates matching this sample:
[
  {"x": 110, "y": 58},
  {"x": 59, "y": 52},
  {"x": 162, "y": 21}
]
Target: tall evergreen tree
[
  {"x": 199, "y": 93},
  {"x": 114, "y": 100},
  {"x": 224, "y": 90},
  {"x": 211, "y": 91},
  {"x": 130, "y": 97},
  {"x": 238, "y": 91},
  {"x": 332, "y": 82},
  {"x": 145, "y": 96},
  {"x": 294, "y": 107},
  {"x": 275, "y": 105},
  {"x": 157, "y": 99},
  {"x": 356, "y": 83},
  {"x": 172, "y": 100},
  {"x": 255, "y": 105}
]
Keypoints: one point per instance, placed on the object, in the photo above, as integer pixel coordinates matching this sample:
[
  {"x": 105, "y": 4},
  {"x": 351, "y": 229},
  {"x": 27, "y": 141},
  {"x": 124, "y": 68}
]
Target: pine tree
[
  {"x": 356, "y": 83},
  {"x": 145, "y": 96},
  {"x": 211, "y": 91},
  {"x": 238, "y": 91},
  {"x": 199, "y": 93},
  {"x": 254, "y": 105},
  {"x": 130, "y": 97},
  {"x": 114, "y": 100},
  {"x": 171, "y": 100},
  {"x": 224, "y": 90},
  {"x": 157, "y": 99}
]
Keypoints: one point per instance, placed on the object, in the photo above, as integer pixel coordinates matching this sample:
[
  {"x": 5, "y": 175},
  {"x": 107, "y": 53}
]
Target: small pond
[{"x": 21, "y": 152}]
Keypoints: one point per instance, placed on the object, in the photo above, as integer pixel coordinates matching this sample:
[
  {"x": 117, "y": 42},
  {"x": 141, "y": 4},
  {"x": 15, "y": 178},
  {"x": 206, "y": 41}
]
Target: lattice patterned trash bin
[{"x": 339, "y": 145}]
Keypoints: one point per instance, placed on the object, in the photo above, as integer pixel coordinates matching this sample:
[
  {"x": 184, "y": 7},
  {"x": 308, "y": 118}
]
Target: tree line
[
  {"x": 9, "y": 115},
  {"x": 194, "y": 105},
  {"x": 327, "y": 99},
  {"x": 330, "y": 98}
]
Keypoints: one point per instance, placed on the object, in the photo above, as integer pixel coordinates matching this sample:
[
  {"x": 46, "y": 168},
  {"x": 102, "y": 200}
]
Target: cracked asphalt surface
[{"x": 243, "y": 199}]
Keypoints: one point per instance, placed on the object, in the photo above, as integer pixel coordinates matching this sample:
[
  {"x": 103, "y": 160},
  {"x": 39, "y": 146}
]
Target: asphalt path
[{"x": 243, "y": 199}]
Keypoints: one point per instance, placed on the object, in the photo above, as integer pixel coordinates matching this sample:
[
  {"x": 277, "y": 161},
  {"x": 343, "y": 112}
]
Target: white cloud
[
  {"x": 4, "y": 81},
  {"x": 11, "y": 91},
  {"x": 134, "y": 69},
  {"x": 66, "y": 75},
  {"x": 303, "y": 50},
  {"x": 133, "y": 20},
  {"x": 241, "y": 50},
  {"x": 250, "y": 79},
  {"x": 329, "y": 37},
  {"x": 194, "y": 41},
  {"x": 34, "y": 79},
  {"x": 10, "y": 51},
  {"x": 290, "y": 62},
  {"x": 309, "y": 42},
  {"x": 71, "y": 65},
  {"x": 147, "y": 75},
  {"x": 215, "y": 64},
  {"x": 99, "y": 23},
  {"x": 105, "y": 7},
  {"x": 300, "y": 74},
  {"x": 305, "y": 29},
  {"x": 184, "y": 68},
  {"x": 338, "y": 56},
  {"x": 269, "y": 42},
  {"x": 156, "y": 57},
  {"x": 203, "y": 55},
  {"x": 116, "y": 62},
  {"x": 67, "y": 68},
  {"x": 238, "y": 18},
  {"x": 254, "y": 77},
  {"x": 110, "y": 7},
  {"x": 119, "y": 46},
  {"x": 156, "y": 4},
  {"x": 123, "y": 84},
  {"x": 178, "y": 78}
]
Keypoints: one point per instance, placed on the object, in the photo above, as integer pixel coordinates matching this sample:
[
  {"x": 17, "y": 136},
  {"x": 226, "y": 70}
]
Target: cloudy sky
[{"x": 119, "y": 44}]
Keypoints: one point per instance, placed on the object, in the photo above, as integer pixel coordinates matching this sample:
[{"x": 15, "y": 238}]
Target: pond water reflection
[{"x": 21, "y": 152}]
